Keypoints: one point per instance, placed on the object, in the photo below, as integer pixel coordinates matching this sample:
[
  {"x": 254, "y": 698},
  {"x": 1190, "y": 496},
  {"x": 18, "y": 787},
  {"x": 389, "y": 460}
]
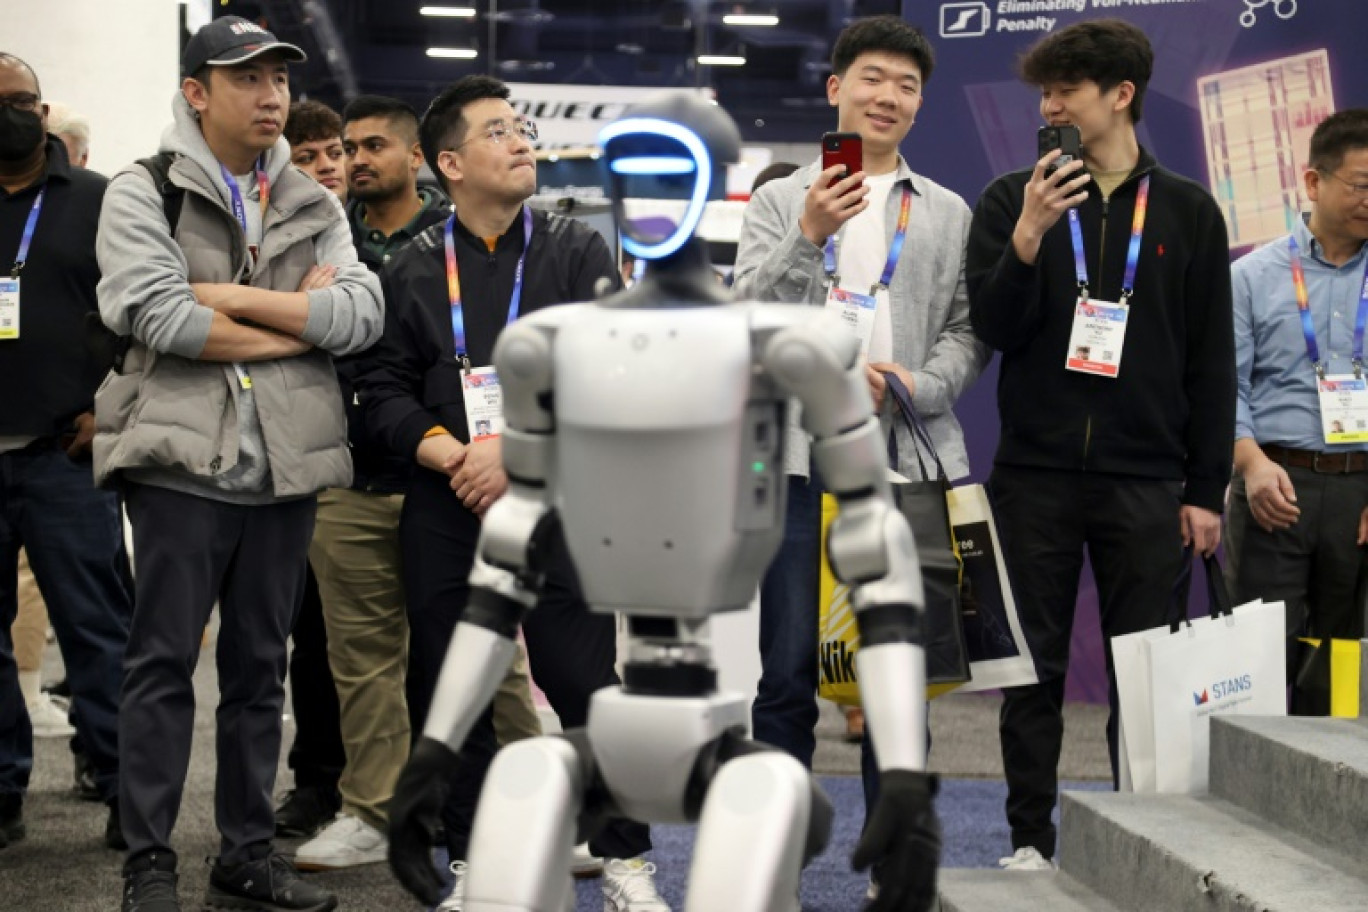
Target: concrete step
[
  {"x": 1185, "y": 854},
  {"x": 964, "y": 890},
  {"x": 1307, "y": 775}
]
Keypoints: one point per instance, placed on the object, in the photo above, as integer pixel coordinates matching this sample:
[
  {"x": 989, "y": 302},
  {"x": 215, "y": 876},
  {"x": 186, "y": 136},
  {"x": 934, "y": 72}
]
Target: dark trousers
[
  {"x": 570, "y": 650},
  {"x": 74, "y": 536},
  {"x": 316, "y": 756},
  {"x": 1046, "y": 519},
  {"x": 1315, "y": 568},
  {"x": 190, "y": 551}
]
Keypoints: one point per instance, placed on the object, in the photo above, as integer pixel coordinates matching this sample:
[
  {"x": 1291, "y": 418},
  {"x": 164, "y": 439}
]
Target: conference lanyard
[
  {"x": 458, "y": 334},
  {"x": 894, "y": 250},
  {"x": 1304, "y": 308},
  {"x": 24, "y": 242},
  {"x": 263, "y": 188},
  {"x": 1132, "y": 255}
]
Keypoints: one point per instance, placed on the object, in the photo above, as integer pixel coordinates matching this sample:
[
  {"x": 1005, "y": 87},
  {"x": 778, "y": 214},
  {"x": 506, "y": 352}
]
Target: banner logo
[
  {"x": 964, "y": 20},
  {"x": 1283, "y": 9},
  {"x": 1201, "y": 699}
]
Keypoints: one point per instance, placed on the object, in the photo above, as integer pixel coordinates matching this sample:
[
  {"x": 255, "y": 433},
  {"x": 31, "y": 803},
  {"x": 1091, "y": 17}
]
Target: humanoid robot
[{"x": 648, "y": 429}]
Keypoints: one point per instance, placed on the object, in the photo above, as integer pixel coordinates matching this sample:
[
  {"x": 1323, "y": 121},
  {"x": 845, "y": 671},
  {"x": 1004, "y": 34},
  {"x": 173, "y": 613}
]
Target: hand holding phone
[
  {"x": 844, "y": 149},
  {"x": 1064, "y": 138},
  {"x": 1050, "y": 192},
  {"x": 835, "y": 196}
]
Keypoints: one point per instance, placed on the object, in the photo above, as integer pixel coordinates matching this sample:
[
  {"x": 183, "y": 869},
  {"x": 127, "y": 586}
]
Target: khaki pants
[{"x": 30, "y": 626}]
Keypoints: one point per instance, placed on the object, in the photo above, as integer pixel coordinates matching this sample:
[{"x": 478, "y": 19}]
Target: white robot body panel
[{"x": 671, "y": 512}]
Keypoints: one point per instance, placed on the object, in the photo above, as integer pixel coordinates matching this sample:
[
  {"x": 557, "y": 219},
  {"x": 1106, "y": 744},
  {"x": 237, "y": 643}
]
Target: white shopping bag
[
  {"x": 1135, "y": 728},
  {"x": 1230, "y": 665},
  {"x": 998, "y": 654}
]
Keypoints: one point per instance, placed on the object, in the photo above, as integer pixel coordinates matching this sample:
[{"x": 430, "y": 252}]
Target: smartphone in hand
[
  {"x": 1064, "y": 138},
  {"x": 845, "y": 149}
]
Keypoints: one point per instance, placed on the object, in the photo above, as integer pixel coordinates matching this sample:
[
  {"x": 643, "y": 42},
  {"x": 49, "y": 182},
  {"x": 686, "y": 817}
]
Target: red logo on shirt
[{"x": 1161, "y": 249}]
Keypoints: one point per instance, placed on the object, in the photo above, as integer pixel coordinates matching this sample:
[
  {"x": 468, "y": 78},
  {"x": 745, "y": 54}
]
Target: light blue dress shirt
[{"x": 1277, "y": 398}]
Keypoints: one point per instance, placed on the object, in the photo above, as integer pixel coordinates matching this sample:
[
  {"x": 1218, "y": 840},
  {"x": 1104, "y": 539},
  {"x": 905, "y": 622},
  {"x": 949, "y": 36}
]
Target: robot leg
[
  {"x": 519, "y": 857},
  {"x": 759, "y": 825}
]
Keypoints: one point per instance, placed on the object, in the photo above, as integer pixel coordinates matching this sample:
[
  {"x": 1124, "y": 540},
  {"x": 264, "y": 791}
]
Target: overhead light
[
  {"x": 720, "y": 60},
  {"x": 450, "y": 12},
  {"x": 756, "y": 19},
  {"x": 454, "y": 53},
  {"x": 653, "y": 165}
]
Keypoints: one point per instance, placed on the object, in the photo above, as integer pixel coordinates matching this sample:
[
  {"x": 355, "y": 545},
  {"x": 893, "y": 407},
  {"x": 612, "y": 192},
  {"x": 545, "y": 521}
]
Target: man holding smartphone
[
  {"x": 1106, "y": 286},
  {"x": 885, "y": 248}
]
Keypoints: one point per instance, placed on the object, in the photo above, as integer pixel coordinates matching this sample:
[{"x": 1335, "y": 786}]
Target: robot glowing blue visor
[{"x": 665, "y": 169}]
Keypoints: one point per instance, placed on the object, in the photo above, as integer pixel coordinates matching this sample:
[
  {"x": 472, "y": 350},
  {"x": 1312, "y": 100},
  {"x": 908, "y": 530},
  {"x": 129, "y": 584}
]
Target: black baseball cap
[{"x": 230, "y": 40}]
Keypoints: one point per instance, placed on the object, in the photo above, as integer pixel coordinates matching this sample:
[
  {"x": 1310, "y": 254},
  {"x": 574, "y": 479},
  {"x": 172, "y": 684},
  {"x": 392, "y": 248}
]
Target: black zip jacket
[
  {"x": 374, "y": 468},
  {"x": 1170, "y": 414},
  {"x": 50, "y": 373},
  {"x": 411, "y": 381}
]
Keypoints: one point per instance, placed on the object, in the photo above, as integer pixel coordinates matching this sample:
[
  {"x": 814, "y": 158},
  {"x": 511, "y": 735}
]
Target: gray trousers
[
  {"x": 1314, "y": 567},
  {"x": 190, "y": 552}
]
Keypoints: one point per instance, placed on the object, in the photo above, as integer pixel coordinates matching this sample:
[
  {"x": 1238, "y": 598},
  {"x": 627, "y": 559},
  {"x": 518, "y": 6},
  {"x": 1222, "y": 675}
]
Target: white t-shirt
[{"x": 863, "y": 252}]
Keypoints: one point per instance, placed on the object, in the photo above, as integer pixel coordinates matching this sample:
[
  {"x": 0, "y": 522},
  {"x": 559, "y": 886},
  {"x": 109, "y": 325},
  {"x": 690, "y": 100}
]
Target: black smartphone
[
  {"x": 845, "y": 149},
  {"x": 1065, "y": 138}
]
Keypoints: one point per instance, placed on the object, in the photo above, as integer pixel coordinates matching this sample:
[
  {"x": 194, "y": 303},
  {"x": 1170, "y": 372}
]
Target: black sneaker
[
  {"x": 307, "y": 810},
  {"x": 83, "y": 777},
  {"x": 269, "y": 884},
  {"x": 113, "y": 837},
  {"x": 150, "y": 883},
  {"x": 11, "y": 818}
]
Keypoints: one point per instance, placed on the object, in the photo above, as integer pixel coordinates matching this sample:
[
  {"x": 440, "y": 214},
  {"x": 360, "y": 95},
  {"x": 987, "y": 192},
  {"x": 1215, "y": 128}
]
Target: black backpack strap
[{"x": 158, "y": 168}]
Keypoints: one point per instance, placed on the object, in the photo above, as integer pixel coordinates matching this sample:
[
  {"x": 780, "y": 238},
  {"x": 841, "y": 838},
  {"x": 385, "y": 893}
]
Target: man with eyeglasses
[
  {"x": 49, "y": 371},
  {"x": 426, "y": 388},
  {"x": 1298, "y": 515}
]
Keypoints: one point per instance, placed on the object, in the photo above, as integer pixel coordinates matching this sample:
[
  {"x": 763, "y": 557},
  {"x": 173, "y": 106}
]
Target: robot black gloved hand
[
  {"x": 414, "y": 813},
  {"x": 902, "y": 841}
]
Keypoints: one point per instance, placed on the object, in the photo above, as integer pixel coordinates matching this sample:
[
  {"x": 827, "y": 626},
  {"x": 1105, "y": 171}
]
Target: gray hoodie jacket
[{"x": 174, "y": 421}]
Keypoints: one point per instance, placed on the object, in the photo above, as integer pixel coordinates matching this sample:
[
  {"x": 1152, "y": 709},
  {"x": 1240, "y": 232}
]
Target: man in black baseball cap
[{"x": 231, "y": 40}]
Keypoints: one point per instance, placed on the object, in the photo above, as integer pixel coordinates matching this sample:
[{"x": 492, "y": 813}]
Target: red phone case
[{"x": 845, "y": 149}]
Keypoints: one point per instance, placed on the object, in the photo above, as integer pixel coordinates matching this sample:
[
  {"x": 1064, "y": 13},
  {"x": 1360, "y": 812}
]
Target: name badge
[
  {"x": 856, "y": 312},
  {"x": 1344, "y": 408},
  {"x": 9, "y": 309},
  {"x": 483, "y": 403},
  {"x": 1099, "y": 331}
]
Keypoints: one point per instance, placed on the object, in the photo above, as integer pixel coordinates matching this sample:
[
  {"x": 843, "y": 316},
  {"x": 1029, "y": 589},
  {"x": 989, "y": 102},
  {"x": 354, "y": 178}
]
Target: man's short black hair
[
  {"x": 398, "y": 113},
  {"x": 12, "y": 60},
  {"x": 885, "y": 35},
  {"x": 1339, "y": 133},
  {"x": 1105, "y": 51},
  {"x": 312, "y": 121},
  {"x": 443, "y": 125}
]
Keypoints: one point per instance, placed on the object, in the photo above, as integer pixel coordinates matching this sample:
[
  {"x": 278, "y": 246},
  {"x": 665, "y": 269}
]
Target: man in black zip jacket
[
  {"x": 1118, "y": 412},
  {"x": 414, "y": 399}
]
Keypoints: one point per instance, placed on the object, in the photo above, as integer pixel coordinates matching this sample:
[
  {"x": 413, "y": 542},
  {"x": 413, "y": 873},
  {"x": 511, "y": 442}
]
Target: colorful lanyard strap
[
  {"x": 1132, "y": 255},
  {"x": 1304, "y": 309},
  {"x": 894, "y": 250},
  {"x": 458, "y": 333},
  {"x": 263, "y": 188},
  {"x": 27, "y": 240}
]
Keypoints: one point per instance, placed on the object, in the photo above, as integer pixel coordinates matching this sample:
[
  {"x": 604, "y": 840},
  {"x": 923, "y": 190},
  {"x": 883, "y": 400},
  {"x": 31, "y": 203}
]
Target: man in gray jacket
[
  {"x": 234, "y": 278},
  {"x": 821, "y": 239}
]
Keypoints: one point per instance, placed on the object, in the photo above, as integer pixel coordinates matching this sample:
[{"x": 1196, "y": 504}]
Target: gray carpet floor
[{"x": 63, "y": 865}]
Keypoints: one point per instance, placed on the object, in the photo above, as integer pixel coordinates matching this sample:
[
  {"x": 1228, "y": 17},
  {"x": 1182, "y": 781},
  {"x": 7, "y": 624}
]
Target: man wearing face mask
[{"x": 48, "y": 502}]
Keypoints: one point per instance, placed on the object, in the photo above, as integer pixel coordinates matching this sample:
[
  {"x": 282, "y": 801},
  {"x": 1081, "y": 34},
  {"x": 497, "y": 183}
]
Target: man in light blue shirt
[{"x": 1297, "y": 512}]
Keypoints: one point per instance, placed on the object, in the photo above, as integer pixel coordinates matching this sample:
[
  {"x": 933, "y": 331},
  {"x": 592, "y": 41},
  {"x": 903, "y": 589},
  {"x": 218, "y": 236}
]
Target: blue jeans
[{"x": 73, "y": 533}]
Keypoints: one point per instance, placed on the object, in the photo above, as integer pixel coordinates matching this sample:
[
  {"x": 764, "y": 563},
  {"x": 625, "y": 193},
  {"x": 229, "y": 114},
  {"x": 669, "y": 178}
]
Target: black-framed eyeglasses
[
  {"x": 499, "y": 131},
  {"x": 21, "y": 101},
  {"x": 1359, "y": 190}
]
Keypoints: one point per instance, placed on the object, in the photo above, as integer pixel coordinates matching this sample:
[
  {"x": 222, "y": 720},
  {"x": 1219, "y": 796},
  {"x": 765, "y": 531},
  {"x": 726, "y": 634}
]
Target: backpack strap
[{"x": 158, "y": 168}]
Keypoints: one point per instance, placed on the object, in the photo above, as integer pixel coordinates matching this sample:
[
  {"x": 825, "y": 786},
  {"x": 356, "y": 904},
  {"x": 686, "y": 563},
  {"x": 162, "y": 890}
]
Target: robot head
[{"x": 673, "y": 146}]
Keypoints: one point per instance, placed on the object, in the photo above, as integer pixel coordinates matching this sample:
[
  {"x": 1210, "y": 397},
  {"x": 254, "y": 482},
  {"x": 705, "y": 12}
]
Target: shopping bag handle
[
  {"x": 915, "y": 425},
  {"x": 1218, "y": 597}
]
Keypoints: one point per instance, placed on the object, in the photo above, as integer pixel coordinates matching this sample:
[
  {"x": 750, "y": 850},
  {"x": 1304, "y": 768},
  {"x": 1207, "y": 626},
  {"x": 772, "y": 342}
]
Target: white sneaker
[
  {"x": 345, "y": 843},
  {"x": 584, "y": 863},
  {"x": 1026, "y": 859},
  {"x": 48, "y": 721},
  {"x": 456, "y": 898},
  {"x": 629, "y": 886}
]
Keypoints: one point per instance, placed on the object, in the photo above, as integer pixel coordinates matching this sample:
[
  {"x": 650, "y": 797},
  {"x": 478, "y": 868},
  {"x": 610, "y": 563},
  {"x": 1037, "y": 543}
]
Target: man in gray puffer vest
[{"x": 234, "y": 277}]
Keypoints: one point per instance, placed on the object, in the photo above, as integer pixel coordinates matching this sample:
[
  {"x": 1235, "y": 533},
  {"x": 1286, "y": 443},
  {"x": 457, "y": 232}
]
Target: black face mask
[{"x": 21, "y": 132}]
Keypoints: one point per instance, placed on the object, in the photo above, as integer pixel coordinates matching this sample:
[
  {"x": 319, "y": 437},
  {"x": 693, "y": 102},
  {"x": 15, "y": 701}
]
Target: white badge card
[
  {"x": 856, "y": 312},
  {"x": 1099, "y": 331},
  {"x": 483, "y": 403},
  {"x": 1344, "y": 409},
  {"x": 9, "y": 308}
]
